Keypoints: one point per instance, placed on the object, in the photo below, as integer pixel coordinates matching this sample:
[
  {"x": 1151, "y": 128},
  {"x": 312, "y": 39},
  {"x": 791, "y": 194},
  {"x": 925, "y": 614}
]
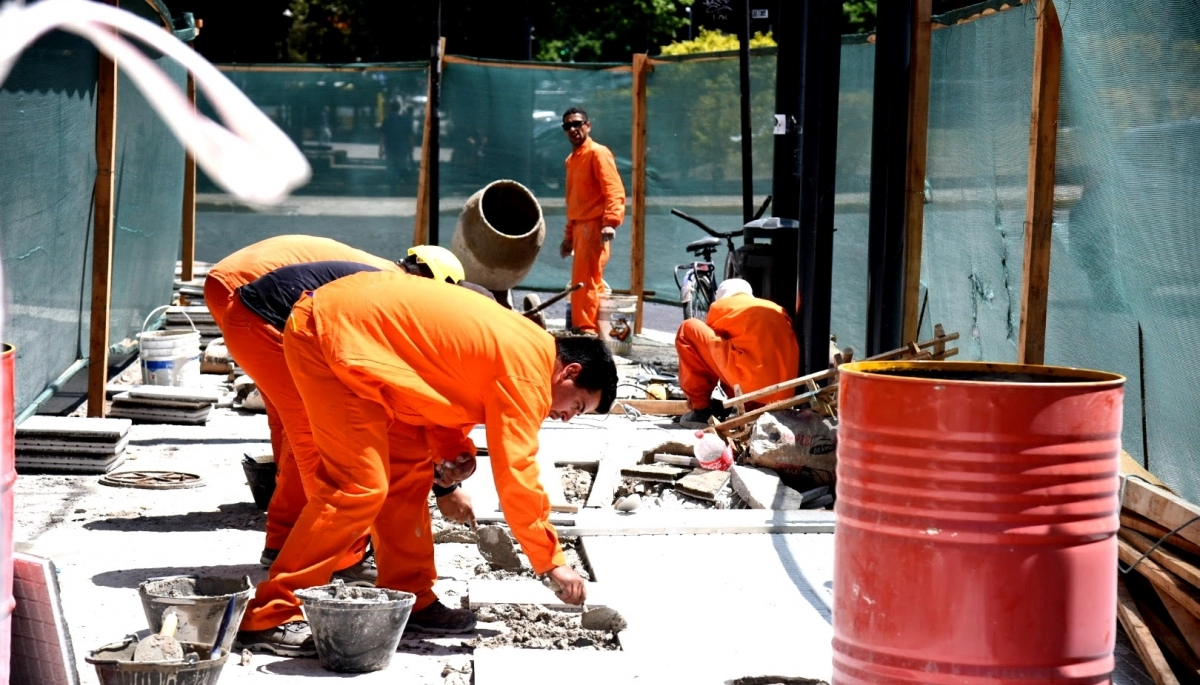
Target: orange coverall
[
  {"x": 595, "y": 199},
  {"x": 377, "y": 349},
  {"x": 258, "y": 348},
  {"x": 745, "y": 341}
]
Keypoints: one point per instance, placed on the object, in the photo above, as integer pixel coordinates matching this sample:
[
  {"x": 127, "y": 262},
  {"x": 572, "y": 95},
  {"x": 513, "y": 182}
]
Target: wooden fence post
[
  {"x": 188, "y": 258},
  {"x": 918, "y": 134},
  {"x": 637, "y": 237},
  {"x": 421, "y": 220},
  {"x": 102, "y": 242},
  {"x": 1039, "y": 203}
]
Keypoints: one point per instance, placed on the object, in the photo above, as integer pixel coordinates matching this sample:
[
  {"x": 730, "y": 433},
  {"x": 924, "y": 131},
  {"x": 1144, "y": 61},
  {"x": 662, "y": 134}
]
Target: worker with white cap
[{"x": 745, "y": 341}]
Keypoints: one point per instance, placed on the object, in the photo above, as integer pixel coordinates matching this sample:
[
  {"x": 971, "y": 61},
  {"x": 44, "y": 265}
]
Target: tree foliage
[
  {"x": 716, "y": 41},
  {"x": 860, "y": 15}
]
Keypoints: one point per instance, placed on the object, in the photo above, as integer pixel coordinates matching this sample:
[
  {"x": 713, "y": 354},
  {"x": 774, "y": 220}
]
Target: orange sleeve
[
  {"x": 605, "y": 168},
  {"x": 515, "y": 409},
  {"x": 445, "y": 444}
]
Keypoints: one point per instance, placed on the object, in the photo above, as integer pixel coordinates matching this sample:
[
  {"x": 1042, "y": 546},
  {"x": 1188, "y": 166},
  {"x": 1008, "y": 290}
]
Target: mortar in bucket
[
  {"x": 260, "y": 476},
  {"x": 615, "y": 321},
  {"x": 115, "y": 665},
  {"x": 199, "y": 602},
  {"x": 169, "y": 357},
  {"x": 356, "y": 630}
]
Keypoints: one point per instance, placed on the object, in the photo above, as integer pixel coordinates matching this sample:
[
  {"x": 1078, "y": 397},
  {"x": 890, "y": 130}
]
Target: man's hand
[
  {"x": 456, "y": 506},
  {"x": 565, "y": 249},
  {"x": 572, "y": 589},
  {"x": 607, "y": 233},
  {"x": 448, "y": 473}
]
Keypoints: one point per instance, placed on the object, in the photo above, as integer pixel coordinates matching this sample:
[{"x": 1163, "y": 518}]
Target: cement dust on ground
[{"x": 534, "y": 627}]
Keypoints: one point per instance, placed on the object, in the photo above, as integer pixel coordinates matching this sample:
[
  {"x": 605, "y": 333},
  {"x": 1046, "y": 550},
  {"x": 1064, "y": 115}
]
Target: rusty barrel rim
[{"x": 927, "y": 372}]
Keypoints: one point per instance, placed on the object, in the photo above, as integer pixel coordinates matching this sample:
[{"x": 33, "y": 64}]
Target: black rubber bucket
[
  {"x": 356, "y": 630},
  {"x": 260, "y": 475}
]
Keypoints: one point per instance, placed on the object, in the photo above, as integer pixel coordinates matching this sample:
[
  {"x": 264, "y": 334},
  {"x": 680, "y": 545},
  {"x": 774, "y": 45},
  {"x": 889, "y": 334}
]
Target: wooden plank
[
  {"x": 1181, "y": 567},
  {"x": 1159, "y": 623},
  {"x": 918, "y": 134},
  {"x": 591, "y": 522},
  {"x": 654, "y": 407},
  {"x": 637, "y": 236},
  {"x": 1143, "y": 640},
  {"x": 1154, "y": 531},
  {"x": 603, "y": 485},
  {"x": 187, "y": 269},
  {"x": 1164, "y": 508},
  {"x": 421, "y": 220},
  {"x": 1130, "y": 467},
  {"x": 1039, "y": 204},
  {"x": 102, "y": 240},
  {"x": 1162, "y": 579},
  {"x": 1188, "y": 625}
]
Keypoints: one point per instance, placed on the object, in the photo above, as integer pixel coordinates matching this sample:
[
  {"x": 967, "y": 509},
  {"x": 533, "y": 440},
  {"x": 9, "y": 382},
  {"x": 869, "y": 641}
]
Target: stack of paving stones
[
  {"x": 195, "y": 317},
  {"x": 190, "y": 292},
  {"x": 70, "y": 444},
  {"x": 164, "y": 404}
]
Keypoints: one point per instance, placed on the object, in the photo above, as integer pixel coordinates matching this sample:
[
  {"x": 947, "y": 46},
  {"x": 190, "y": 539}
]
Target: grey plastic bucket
[
  {"x": 115, "y": 666},
  {"x": 356, "y": 630},
  {"x": 199, "y": 602}
]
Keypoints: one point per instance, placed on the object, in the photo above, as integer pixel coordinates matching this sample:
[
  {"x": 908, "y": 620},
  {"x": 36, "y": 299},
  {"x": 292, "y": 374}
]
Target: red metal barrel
[
  {"x": 976, "y": 524},
  {"x": 8, "y": 476}
]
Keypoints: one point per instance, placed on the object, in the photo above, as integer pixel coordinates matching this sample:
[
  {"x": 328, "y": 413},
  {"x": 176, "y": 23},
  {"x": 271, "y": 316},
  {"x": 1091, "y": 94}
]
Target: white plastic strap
[{"x": 252, "y": 158}]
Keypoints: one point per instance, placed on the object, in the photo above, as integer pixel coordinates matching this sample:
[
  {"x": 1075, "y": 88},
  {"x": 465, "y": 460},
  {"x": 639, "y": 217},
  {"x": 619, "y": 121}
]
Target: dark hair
[
  {"x": 598, "y": 372},
  {"x": 575, "y": 110}
]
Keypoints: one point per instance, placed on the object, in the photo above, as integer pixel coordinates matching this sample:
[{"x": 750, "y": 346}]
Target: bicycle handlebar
[{"x": 704, "y": 227}]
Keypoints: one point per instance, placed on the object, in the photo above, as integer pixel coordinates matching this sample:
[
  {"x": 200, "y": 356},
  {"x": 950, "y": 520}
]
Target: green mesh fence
[
  {"x": 148, "y": 204},
  {"x": 981, "y": 74},
  {"x": 48, "y": 114},
  {"x": 360, "y": 129},
  {"x": 1126, "y": 254},
  {"x": 504, "y": 120}
]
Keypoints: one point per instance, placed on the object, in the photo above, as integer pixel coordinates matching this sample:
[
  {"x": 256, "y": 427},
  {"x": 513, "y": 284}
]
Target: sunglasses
[{"x": 569, "y": 125}]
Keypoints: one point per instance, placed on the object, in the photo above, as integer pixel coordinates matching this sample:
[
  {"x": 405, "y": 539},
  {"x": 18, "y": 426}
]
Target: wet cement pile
[
  {"x": 576, "y": 483},
  {"x": 534, "y": 627}
]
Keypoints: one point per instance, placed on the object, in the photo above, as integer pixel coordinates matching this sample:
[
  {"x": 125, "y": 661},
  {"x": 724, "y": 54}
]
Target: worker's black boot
[
  {"x": 696, "y": 418},
  {"x": 362, "y": 574},
  {"x": 441, "y": 619},
  {"x": 289, "y": 639},
  {"x": 268, "y": 557}
]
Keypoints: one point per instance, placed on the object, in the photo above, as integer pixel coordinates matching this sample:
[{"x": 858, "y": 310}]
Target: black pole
[
  {"x": 435, "y": 98},
  {"x": 807, "y": 79},
  {"x": 528, "y": 47},
  {"x": 747, "y": 149},
  {"x": 889, "y": 164}
]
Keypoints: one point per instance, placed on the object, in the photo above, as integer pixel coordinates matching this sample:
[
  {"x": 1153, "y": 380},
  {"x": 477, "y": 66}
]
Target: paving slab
[
  {"x": 659, "y": 473},
  {"x": 703, "y": 484},
  {"x": 762, "y": 489},
  {"x": 652, "y": 522},
  {"x": 73, "y": 428}
]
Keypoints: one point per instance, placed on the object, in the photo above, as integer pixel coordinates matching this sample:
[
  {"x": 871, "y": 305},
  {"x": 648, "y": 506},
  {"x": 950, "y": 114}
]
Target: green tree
[
  {"x": 567, "y": 31},
  {"x": 860, "y": 15},
  {"x": 716, "y": 41}
]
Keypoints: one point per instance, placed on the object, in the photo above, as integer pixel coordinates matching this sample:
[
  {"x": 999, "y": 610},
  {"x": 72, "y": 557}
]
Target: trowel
[
  {"x": 597, "y": 618},
  {"x": 163, "y": 646}
]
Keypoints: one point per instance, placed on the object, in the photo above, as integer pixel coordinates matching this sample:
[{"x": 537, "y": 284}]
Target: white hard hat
[{"x": 733, "y": 286}]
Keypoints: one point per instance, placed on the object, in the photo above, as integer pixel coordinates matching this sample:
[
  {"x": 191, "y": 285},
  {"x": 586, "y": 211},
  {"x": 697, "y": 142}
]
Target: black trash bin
[{"x": 767, "y": 260}]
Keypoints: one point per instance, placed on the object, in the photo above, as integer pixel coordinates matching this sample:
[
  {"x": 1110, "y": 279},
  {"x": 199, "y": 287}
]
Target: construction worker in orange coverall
[
  {"x": 744, "y": 341},
  {"x": 394, "y": 373},
  {"x": 595, "y": 207},
  {"x": 258, "y": 348}
]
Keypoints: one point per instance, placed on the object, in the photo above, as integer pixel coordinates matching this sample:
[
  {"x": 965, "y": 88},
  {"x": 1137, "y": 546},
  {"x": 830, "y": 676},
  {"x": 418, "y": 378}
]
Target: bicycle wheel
[{"x": 696, "y": 306}]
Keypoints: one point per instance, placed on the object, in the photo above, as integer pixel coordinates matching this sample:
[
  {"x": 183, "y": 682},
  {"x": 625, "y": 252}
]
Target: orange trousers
[
  {"x": 370, "y": 478},
  {"x": 591, "y": 254},
  {"x": 258, "y": 348},
  {"x": 706, "y": 359}
]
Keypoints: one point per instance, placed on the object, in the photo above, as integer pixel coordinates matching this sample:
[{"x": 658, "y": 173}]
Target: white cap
[{"x": 733, "y": 286}]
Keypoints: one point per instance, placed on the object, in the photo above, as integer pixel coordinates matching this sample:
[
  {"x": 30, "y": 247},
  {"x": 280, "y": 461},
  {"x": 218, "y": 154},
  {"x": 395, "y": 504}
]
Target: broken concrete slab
[
  {"x": 605, "y": 481},
  {"x": 762, "y": 489},
  {"x": 656, "y": 472},
  {"x": 791, "y": 441},
  {"x": 74, "y": 428},
  {"x": 703, "y": 484}
]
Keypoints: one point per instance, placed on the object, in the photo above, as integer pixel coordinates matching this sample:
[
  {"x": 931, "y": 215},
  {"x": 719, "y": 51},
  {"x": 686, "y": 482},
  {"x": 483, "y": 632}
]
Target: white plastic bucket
[
  {"x": 615, "y": 321},
  {"x": 170, "y": 358}
]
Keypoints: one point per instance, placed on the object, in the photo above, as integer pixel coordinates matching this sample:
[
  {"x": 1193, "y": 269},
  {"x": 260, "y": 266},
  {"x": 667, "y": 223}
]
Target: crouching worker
[
  {"x": 374, "y": 351},
  {"x": 744, "y": 341}
]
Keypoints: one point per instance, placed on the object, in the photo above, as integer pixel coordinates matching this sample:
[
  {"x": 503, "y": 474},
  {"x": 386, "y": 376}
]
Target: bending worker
[
  {"x": 744, "y": 341},
  {"x": 374, "y": 349},
  {"x": 595, "y": 207},
  {"x": 258, "y": 349}
]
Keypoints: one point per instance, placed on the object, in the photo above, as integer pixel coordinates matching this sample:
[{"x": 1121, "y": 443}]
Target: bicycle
[{"x": 698, "y": 286}]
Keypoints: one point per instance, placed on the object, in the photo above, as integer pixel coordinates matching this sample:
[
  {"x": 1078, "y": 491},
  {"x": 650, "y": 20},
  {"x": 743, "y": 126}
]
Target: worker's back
[
  {"x": 764, "y": 349},
  {"x": 265, "y": 256}
]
